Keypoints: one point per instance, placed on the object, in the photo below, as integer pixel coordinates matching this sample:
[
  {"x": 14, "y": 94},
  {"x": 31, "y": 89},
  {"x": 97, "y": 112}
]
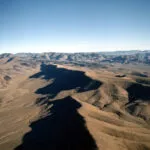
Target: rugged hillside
[{"x": 51, "y": 106}]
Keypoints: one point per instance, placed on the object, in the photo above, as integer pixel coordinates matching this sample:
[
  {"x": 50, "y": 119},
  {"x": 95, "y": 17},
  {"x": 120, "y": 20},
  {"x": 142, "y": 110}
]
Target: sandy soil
[{"x": 75, "y": 107}]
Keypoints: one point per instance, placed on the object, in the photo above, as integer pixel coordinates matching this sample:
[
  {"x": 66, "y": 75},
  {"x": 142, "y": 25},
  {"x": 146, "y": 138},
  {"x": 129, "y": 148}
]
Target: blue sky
[{"x": 74, "y": 25}]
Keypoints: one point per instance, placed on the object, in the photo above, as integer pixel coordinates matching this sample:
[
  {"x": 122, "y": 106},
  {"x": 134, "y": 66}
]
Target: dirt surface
[{"x": 70, "y": 107}]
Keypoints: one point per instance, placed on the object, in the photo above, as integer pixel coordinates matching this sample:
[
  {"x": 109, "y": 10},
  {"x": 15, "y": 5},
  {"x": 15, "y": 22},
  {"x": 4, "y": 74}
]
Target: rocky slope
[{"x": 66, "y": 106}]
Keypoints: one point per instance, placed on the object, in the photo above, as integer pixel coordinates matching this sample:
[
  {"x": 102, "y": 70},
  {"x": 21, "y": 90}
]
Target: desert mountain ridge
[
  {"x": 82, "y": 101},
  {"x": 124, "y": 57}
]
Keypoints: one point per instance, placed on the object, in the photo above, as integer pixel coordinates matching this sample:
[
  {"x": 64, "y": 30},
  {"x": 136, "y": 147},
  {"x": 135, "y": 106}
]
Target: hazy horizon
[
  {"x": 74, "y": 26},
  {"x": 106, "y": 51}
]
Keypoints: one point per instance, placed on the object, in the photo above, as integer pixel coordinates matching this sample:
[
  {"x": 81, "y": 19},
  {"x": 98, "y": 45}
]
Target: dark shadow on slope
[
  {"x": 64, "y": 79},
  {"x": 62, "y": 129},
  {"x": 138, "y": 92}
]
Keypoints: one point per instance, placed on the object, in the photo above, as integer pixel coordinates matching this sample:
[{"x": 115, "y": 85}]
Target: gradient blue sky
[{"x": 74, "y": 25}]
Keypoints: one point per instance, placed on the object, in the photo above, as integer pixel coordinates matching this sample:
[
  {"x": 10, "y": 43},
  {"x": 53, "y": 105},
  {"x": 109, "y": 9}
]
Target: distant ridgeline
[{"x": 124, "y": 57}]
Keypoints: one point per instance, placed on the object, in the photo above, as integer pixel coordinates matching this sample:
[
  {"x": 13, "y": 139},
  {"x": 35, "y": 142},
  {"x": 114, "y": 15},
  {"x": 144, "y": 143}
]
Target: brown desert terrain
[{"x": 59, "y": 106}]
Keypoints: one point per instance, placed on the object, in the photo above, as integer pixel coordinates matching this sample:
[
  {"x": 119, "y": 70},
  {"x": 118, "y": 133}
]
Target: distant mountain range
[{"x": 124, "y": 57}]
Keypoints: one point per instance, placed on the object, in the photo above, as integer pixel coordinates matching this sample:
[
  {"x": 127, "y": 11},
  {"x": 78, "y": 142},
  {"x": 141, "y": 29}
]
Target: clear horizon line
[{"x": 107, "y": 51}]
